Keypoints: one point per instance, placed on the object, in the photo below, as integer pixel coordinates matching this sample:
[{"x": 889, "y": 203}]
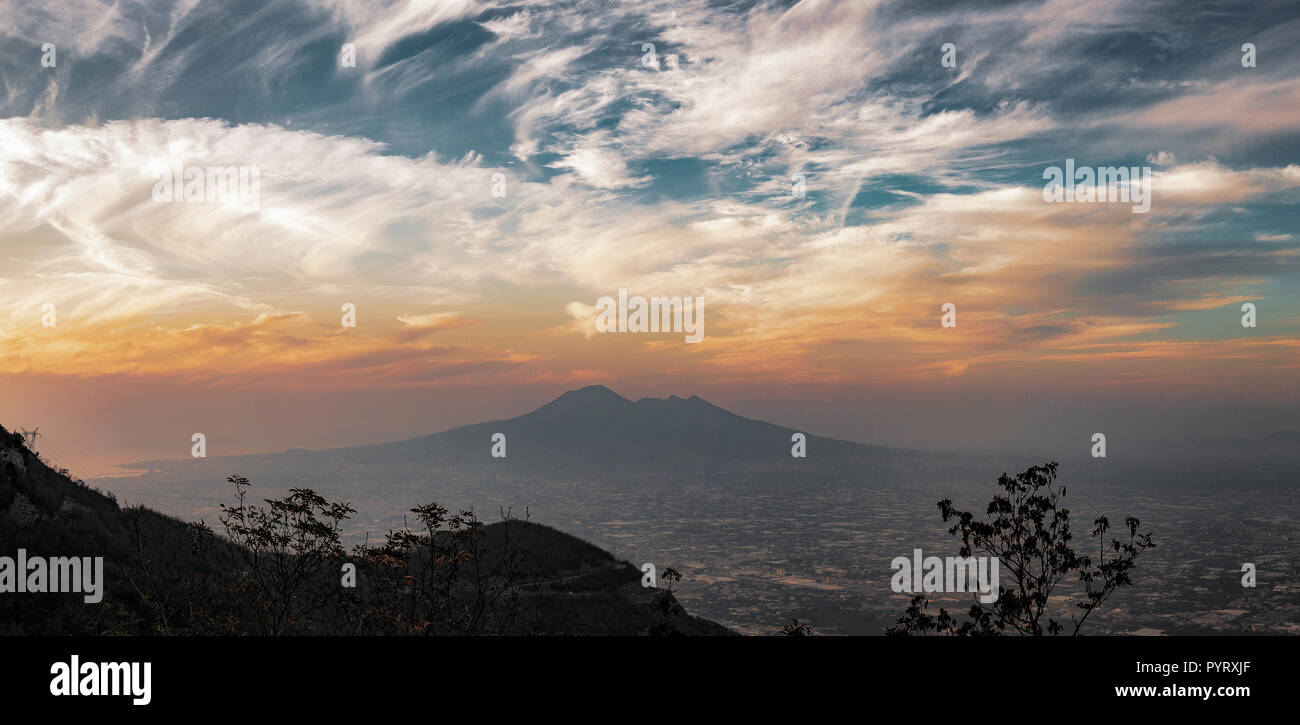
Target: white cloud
[{"x": 599, "y": 167}]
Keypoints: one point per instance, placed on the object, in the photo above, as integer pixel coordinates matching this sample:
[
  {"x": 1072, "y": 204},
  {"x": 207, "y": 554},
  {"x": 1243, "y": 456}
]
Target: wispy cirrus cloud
[{"x": 664, "y": 171}]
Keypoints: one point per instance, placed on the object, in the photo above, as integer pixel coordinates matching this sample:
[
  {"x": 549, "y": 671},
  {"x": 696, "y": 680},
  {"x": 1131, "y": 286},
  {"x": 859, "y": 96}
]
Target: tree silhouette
[
  {"x": 445, "y": 577},
  {"x": 288, "y": 549},
  {"x": 1029, "y": 532},
  {"x": 672, "y": 577},
  {"x": 162, "y": 576},
  {"x": 668, "y": 606},
  {"x": 795, "y": 629}
]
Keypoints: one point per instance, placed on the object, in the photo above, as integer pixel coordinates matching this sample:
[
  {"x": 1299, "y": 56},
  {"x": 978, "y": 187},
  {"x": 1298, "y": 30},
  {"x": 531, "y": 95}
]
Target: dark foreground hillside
[{"x": 278, "y": 568}]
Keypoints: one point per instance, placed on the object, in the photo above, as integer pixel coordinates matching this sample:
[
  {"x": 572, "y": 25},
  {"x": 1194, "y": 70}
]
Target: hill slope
[{"x": 163, "y": 575}]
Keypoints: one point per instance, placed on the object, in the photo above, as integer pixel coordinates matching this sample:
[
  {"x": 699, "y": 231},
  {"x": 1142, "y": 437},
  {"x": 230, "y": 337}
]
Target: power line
[{"x": 78, "y": 470}]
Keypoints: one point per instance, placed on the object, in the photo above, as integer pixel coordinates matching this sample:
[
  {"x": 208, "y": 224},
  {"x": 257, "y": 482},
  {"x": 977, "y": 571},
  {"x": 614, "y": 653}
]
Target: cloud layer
[{"x": 488, "y": 170}]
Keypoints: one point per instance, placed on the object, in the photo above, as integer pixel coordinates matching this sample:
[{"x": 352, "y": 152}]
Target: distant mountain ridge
[
  {"x": 598, "y": 426},
  {"x": 595, "y": 426},
  {"x": 1278, "y": 446}
]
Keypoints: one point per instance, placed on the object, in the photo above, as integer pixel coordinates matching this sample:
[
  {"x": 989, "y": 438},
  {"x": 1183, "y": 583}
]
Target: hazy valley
[{"x": 761, "y": 537}]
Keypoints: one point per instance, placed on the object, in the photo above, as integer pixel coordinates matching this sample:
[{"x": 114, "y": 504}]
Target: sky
[{"x": 472, "y": 177}]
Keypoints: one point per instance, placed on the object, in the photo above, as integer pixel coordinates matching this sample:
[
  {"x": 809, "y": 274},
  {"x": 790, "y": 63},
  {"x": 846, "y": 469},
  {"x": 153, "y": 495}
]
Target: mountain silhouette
[
  {"x": 586, "y": 442},
  {"x": 595, "y": 427}
]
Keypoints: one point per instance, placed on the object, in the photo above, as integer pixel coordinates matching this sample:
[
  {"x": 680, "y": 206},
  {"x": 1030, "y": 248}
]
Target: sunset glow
[{"x": 923, "y": 186}]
